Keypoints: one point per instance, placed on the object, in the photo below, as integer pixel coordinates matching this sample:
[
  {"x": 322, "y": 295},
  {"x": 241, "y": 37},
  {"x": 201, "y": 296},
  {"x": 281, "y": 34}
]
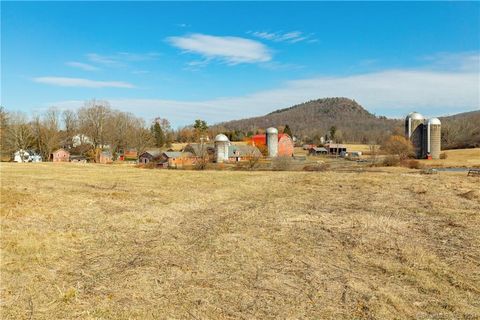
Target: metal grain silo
[
  {"x": 433, "y": 138},
  {"x": 414, "y": 124},
  {"x": 221, "y": 148},
  {"x": 272, "y": 142}
]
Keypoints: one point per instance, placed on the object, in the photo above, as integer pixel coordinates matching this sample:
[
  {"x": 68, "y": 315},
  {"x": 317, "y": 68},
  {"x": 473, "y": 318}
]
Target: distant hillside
[
  {"x": 313, "y": 119},
  {"x": 461, "y": 130}
]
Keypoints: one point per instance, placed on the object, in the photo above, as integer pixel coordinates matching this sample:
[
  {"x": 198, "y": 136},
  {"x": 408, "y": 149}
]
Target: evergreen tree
[
  {"x": 158, "y": 135},
  {"x": 288, "y": 131},
  {"x": 333, "y": 130}
]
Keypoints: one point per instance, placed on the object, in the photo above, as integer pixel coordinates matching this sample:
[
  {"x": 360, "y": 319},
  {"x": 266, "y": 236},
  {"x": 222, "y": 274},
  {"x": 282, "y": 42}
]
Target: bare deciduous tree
[{"x": 92, "y": 119}]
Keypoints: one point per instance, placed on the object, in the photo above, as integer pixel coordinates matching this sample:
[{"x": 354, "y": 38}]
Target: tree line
[{"x": 96, "y": 125}]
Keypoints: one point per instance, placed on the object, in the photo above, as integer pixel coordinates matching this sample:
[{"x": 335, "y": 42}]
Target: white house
[{"x": 21, "y": 156}]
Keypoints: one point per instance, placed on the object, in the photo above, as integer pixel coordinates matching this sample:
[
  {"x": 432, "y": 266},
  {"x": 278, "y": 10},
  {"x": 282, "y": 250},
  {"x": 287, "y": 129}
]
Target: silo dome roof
[
  {"x": 272, "y": 130},
  {"x": 434, "y": 121},
  {"x": 221, "y": 138},
  {"x": 415, "y": 116}
]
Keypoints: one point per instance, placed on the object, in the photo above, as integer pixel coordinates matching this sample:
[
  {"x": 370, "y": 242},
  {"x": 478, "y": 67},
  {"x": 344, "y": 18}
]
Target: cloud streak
[
  {"x": 82, "y": 83},
  {"x": 290, "y": 37},
  {"x": 81, "y": 65},
  {"x": 231, "y": 50}
]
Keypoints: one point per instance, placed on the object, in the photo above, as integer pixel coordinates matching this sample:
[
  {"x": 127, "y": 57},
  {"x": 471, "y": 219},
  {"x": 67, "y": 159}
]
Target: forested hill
[{"x": 313, "y": 119}]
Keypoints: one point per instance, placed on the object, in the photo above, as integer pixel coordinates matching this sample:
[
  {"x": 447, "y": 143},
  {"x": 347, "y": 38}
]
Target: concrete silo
[
  {"x": 433, "y": 138},
  {"x": 272, "y": 142},
  {"x": 221, "y": 148},
  {"x": 414, "y": 124}
]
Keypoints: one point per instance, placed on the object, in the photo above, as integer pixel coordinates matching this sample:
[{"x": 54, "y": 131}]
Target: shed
[
  {"x": 149, "y": 156},
  {"x": 335, "y": 148},
  {"x": 60, "y": 155},
  {"x": 317, "y": 151},
  {"x": 78, "y": 158}
]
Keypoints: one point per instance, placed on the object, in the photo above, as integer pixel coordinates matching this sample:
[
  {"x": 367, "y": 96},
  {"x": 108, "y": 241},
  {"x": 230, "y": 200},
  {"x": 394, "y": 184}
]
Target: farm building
[
  {"x": 105, "y": 157},
  {"x": 176, "y": 159},
  {"x": 128, "y": 155},
  {"x": 201, "y": 150},
  {"x": 21, "y": 156},
  {"x": 78, "y": 159},
  {"x": 335, "y": 148},
  {"x": 281, "y": 144},
  {"x": 149, "y": 156},
  {"x": 238, "y": 153},
  {"x": 308, "y": 146},
  {"x": 425, "y": 135},
  {"x": 315, "y": 151},
  {"x": 60, "y": 155}
]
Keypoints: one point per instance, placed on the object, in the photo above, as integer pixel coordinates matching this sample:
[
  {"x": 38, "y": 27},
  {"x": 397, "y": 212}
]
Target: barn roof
[
  {"x": 153, "y": 153},
  {"x": 173, "y": 154},
  {"x": 319, "y": 149},
  {"x": 243, "y": 150},
  {"x": 195, "y": 148}
]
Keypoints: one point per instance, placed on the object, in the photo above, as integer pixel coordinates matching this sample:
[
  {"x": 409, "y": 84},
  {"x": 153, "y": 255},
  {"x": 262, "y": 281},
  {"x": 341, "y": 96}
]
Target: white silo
[
  {"x": 272, "y": 142},
  {"x": 221, "y": 148},
  {"x": 414, "y": 131},
  {"x": 433, "y": 138}
]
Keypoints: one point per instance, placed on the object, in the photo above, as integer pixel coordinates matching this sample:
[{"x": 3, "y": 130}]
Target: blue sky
[{"x": 228, "y": 60}]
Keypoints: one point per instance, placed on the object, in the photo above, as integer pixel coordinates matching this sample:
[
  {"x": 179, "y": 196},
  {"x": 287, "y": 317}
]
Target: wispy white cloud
[
  {"x": 454, "y": 61},
  {"x": 81, "y": 65},
  {"x": 79, "y": 82},
  {"x": 120, "y": 58},
  {"x": 290, "y": 37},
  {"x": 232, "y": 50}
]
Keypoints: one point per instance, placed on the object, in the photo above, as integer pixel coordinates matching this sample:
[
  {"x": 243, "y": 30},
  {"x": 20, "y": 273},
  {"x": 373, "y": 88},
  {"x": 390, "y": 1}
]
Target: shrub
[
  {"x": 398, "y": 145},
  {"x": 281, "y": 163},
  {"x": 413, "y": 164},
  {"x": 443, "y": 156},
  {"x": 316, "y": 167},
  {"x": 391, "y": 161}
]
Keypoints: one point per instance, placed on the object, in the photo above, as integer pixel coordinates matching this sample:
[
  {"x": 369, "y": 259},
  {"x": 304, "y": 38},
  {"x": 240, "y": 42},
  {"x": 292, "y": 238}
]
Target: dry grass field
[
  {"x": 457, "y": 158},
  {"x": 119, "y": 242}
]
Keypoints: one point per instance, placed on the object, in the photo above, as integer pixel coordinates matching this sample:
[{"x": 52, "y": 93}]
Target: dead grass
[
  {"x": 117, "y": 242},
  {"x": 457, "y": 158}
]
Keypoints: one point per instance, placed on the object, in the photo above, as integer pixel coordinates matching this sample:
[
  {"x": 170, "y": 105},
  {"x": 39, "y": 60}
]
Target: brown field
[
  {"x": 457, "y": 158},
  {"x": 118, "y": 242}
]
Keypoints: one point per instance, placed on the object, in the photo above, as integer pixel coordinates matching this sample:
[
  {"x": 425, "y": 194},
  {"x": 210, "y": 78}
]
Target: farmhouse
[
  {"x": 149, "y": 156},
  {"x": 105, "y": 157},
  {"x": 21, "y": 156},
  {"x": 60, "y": 155}
]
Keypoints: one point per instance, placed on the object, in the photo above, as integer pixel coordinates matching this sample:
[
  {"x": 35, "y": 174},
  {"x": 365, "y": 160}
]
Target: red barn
[{"x": 285, "y": 143}]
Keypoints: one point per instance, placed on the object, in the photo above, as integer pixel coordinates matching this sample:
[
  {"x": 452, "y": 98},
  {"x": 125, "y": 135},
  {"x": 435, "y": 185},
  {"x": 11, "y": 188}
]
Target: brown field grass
[
  {"x": 457, "y": 158},
  {"x": 118, "y": 242}
]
